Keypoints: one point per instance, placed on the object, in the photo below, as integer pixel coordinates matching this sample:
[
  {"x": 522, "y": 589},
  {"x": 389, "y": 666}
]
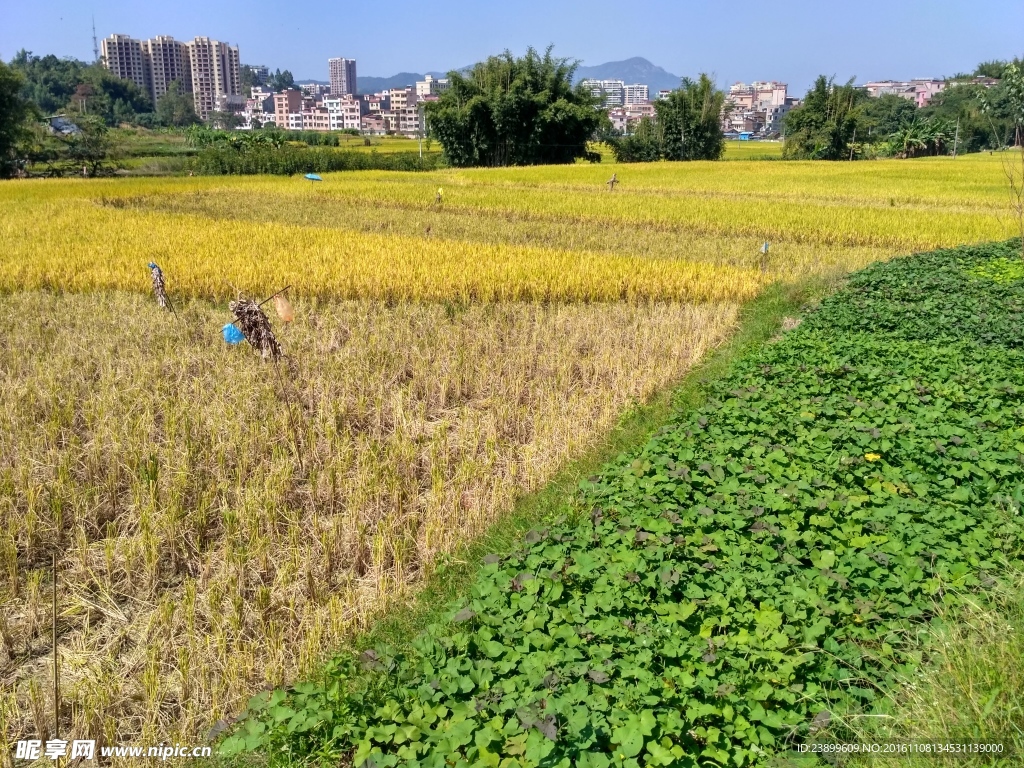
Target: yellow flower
[{"x": 872, "y": 456}]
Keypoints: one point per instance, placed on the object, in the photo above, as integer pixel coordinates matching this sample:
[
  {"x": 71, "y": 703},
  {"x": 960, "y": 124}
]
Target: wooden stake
[
  {"x": 56, "y": 668},
  {"x": 266, "y": 299},
  {"x": 273, "y": 295}
]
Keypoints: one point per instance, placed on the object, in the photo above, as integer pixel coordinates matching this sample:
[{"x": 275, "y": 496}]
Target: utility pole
[
  {"x": 95, "y": 45},
  {"x": 956, "y": 136},
  {"x": 853, "y": 142}
]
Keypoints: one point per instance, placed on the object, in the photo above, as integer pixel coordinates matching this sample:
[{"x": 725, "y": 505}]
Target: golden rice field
[{"x": 219, "y": 527}]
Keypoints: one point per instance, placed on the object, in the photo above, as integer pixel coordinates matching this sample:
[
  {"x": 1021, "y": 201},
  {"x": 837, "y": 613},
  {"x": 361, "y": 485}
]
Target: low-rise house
[
  {"x": 344, "y": 112},
  {"x": 287, "y": 103},
  {"x": 316, "y": 119},
  {"x": 372, "y": 124}
]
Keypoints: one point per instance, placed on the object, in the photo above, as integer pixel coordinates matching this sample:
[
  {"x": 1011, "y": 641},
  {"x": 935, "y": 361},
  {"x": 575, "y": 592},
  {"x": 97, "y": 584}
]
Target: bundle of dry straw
[{"x": 255, "y": 326}]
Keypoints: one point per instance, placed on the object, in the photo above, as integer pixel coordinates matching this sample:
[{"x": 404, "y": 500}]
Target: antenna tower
[{"x": 95, "y": 45}]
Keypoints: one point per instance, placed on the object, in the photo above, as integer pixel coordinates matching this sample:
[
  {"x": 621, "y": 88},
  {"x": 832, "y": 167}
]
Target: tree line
[
  {"x": 34, "y": 89},
  {"x": 523, "y": 111},
  {"x": 842, "y": 122},
  {"x": 526, "y": 110}
]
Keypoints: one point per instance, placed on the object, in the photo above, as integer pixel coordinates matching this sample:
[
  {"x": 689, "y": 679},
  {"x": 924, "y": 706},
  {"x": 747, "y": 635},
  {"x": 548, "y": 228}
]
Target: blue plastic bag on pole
[{"x": 232, "y": 335}]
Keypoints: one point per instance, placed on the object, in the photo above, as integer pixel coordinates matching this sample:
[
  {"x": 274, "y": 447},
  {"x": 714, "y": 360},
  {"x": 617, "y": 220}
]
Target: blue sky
[{"x": 789, "y": 40}]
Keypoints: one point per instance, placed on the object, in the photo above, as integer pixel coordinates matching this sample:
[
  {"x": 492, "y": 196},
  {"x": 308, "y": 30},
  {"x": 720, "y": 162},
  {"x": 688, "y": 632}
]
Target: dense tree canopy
[
  {"x": 56, "y": 85},
  {"x": 248, "y": 80},
  {"x": 280, "y": 81},
  {"x": 921, "y": 137},
  {"x": 14, "y": 110},
  {"x": 690, "y": 120},
  {"x": 644, "y": 144},
  {"x": 176, "y": 108},
  {"x": 983, "y": 114},
  {"x": 837, "y": 122},
  {"x": 995, "y": 68},
  {"x": 883, "y": 116},
  {"x": 687, "y": 127},
  {"x": 514, "y": 111},
  {"x": 825, "y": 125}
]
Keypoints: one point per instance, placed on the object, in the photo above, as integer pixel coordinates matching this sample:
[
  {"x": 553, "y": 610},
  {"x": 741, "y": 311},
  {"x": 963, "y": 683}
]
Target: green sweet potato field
[{"x": 761, "y": 570}]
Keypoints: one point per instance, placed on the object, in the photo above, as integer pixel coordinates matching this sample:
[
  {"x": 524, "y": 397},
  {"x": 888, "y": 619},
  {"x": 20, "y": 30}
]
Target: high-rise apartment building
[
  {"x": 168, "y": 61},
  {"x": 612, "y": 93},
  {"x": 216, "y": 79},
  {"x": 206, "y": 68},
  {"x": 342, "y": 76},
  {"x": 125, "y": 58}
]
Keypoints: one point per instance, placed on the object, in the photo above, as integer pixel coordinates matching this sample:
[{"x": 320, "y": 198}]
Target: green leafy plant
[{"x": 761, "y": 567}]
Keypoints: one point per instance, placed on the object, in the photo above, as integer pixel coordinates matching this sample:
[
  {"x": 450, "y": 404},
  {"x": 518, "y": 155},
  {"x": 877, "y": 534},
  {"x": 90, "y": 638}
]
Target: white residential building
[
  {"x": 215, "y": 74},
  {"x": 612, "y": 93},
  {"x": 757, "y": 107},
  {"x": 431, "y": 86},
  {"x": 260, "y": 73},
  {"x": 315, "y": 90},
  {"x": 625, "y": 118},
  {"x": 637, "y": 93},
  {"x": 344, "y": 112}
]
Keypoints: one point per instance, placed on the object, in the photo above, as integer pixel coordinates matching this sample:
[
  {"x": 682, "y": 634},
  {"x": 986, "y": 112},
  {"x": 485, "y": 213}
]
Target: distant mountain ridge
[{"x": 634, "y": 70}]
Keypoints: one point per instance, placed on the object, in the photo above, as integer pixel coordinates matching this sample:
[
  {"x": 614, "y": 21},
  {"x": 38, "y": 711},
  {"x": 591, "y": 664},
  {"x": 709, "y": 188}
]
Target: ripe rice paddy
[{"x": 447, "y": 358}]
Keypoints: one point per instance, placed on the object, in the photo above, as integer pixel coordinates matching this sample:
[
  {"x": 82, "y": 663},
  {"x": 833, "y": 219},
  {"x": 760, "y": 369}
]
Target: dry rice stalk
[
  {"x": 255, "y": 326},
  {"x": 159, "y": 288}
]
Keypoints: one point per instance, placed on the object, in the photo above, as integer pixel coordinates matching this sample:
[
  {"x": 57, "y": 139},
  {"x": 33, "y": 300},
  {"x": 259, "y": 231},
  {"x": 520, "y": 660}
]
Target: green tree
[
  {"x": 86, "y": 150},
  {"x": 983, "y": 114},
  {"x": 47, "y": 81},
  {"x": 224, "y": 120},
  {"x": 825, "y": 126},
  {"x": 90, "y": 147},
  {"x": 883, "y": 116},
  {"x": 14, "y": 112},
  {"x": 248, "y": 80},
  {"x": 690, "y": 121},
  {"x": 514, "y": 111},
  {"x": 57, "y": 85},
  {"x": 281, "y": 81},
  {"x": 1012, "y": 88},
  {"x": 643, "y": 145},
  {"x": 1012, "y": 91},
  {"x": 929, "y": 136},
  {"x": 176, "y": 109},
  {"x": 992, "y": 68}
]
